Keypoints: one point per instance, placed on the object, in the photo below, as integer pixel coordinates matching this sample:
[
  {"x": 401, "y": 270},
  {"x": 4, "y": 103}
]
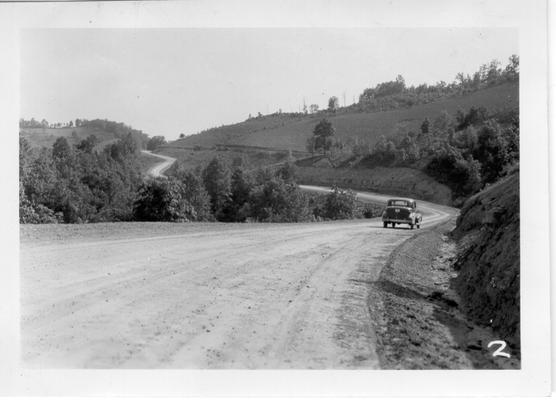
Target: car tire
[
  {"x": 418, "y": 226},
  {"x": 385, "y": 224},
  {"x": 410, "y": 226},
  {"x": 393, "y": 224}
]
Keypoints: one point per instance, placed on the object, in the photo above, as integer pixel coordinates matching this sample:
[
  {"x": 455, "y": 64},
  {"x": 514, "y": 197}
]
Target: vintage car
[{"x": 401, "y": 211}]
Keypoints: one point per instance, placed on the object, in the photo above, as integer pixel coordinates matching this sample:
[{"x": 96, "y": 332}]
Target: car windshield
[{"x": 401, "y": 203}]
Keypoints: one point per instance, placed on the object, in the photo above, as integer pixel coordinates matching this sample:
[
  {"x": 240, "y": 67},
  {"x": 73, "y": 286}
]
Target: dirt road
[
  {"x": 158, "y": 170},
  {"x": 204, "y": 295}
]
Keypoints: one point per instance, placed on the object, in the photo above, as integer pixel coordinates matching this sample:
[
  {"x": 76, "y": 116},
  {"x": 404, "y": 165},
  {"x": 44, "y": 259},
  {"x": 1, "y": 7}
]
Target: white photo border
[{"x": 528, "y": 16}]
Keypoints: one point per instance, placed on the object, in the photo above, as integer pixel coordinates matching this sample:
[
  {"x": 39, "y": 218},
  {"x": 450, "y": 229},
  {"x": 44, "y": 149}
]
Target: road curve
[
  {"x": 157, "y": 170},
  {"x": 433, "y": 214},
  {"x": 205, "y": 295}
]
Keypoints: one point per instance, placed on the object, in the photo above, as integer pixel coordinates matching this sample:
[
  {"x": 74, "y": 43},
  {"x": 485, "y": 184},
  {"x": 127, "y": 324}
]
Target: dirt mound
[{"x": 488, "y": 262}]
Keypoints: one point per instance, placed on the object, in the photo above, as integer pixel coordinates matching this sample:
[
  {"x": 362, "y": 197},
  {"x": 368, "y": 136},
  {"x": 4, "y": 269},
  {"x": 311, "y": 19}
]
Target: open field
[{"x": 204, "y": 295}]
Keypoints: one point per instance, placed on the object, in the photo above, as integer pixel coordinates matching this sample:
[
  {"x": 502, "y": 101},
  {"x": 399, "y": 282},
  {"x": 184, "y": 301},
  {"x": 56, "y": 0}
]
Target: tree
[
  {"x": 62, "y": 154},
  {"x": 461, "y": 175},
  {"x": 197, "y": 196},
  {"x": 87, "y": 145},
  {"x": 216, "y": 178},
  {"x": 182, "y": 135},
  {"x": 322, "y": 134},
  {"x": 425, "y": 126},
  {"x": 123, "y": 148},
  {"x": 310, "y": 145},
  {"x": 512, "y": 69},
  {"x": 442, "y": 124},
  {"x": 287, "y": 172},
  {"x": 491, "y": 151},
  {"x": 162, "y": 200},
  {"x": 340, "y": 204},
  {"x": 475, "y": 116},
  {"x": 277, "y": 201},
  {"x": 493, "y": 72},
  {"x": 155, "y": 142},
  {"x": 333, "y": 104},
  {"x": 314, "y": 108},
  {"x": 241, "y": 186}
]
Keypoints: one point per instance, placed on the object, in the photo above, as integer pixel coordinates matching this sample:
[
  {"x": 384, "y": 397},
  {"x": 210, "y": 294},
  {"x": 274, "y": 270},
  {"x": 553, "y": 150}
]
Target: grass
[
  {"x": 45, "y": 137},
  {"x": 190, "y": 159},
  {"x": 288, "y": 132},
  {"x": 396, "y": 181}
]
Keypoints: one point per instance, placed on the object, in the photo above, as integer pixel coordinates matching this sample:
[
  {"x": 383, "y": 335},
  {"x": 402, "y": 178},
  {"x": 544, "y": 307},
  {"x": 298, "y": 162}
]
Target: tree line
[
  {"x": 78, "y": 184},
  {"x": 74, "y": 184},
  {"x": 219, "y": 192},
  {"x": 395, "y": 94}
]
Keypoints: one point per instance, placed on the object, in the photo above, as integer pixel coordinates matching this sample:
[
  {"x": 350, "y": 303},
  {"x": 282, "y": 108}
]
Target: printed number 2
[{"x": 499, "y": 351}]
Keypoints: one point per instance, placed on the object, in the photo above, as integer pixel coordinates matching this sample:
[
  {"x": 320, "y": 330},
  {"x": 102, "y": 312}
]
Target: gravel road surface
[
  {"x": 224, "y": 296},
  {"x": 158, "y": 170}
]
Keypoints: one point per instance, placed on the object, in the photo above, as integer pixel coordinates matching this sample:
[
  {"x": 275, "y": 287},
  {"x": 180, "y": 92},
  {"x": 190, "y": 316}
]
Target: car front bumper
[{"x": 399, "y": 221}]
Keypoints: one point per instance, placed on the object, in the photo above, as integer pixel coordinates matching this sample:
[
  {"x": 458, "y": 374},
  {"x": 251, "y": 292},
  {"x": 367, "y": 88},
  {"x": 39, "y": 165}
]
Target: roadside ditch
[{"x": 417, "y": 314}]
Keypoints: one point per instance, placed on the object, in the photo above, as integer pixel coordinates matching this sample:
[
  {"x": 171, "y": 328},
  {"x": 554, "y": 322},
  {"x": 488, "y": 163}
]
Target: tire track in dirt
[{"x": 286, "y": 296}]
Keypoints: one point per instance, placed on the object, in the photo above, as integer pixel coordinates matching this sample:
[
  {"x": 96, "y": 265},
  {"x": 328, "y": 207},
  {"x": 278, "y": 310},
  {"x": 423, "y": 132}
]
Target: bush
[
  {"x": 163, "y": 199},
  {"x": 30, "y": 213},
  {"x": 277, "y": 201},
  {"x": 340, "y": 204},
  {"x": 461, "y": 175},
  {"x": 216, "y": 179},
  {"x": 155, "y": 142}
]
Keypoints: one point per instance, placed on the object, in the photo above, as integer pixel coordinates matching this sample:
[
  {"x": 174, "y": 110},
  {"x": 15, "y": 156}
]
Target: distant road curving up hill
[{"x": 157, "y": 170}]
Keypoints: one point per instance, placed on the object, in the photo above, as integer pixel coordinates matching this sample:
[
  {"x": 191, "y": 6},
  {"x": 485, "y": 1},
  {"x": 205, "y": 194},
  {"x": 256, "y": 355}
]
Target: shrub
[
  {"x": 461, "y": 175},
  {"x": 216, "y": 178},
  {"x": 340, "y": 204},
  {"x": 277, "y": 201},
  {"x": 196, "y": 195},
  {"x": 163, "y": 200}
]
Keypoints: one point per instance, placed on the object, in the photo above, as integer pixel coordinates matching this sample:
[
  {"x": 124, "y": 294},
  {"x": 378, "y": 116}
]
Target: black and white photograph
[{"x": 274, "y": 198}]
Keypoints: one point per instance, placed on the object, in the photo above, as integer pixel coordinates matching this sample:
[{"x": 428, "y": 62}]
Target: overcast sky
[{"x": 170, "y": 81}]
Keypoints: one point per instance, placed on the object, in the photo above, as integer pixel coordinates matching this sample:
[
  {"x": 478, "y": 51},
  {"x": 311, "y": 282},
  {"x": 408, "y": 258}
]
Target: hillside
[
  {"x": 488, "y": 237},
  {"x": 111, "y": 132},
  {"x": 45, "y": 137},
  {"x": 288, "y": 131}
]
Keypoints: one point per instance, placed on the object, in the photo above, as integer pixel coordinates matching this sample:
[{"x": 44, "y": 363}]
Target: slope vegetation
[
  {"x": 45, "y": 137},
  {"x": 289, "y": 131}
]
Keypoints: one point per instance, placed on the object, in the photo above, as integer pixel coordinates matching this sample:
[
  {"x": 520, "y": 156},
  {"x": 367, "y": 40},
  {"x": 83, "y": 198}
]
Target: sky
[{"x": 172, "y": 81}]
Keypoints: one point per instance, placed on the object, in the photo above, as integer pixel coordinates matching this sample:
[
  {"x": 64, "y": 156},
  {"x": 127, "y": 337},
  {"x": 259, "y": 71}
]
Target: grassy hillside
[
  {"x": 291, "y": 132},
  {"x": 45, "y": 137},
  {"x": 399, "y": 181}
]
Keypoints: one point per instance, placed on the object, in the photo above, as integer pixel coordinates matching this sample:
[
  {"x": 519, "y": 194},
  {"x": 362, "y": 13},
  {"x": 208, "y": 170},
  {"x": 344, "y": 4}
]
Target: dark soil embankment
[
  {"x": 417, "y": 315},
  {"x": 488, "y": 235}
]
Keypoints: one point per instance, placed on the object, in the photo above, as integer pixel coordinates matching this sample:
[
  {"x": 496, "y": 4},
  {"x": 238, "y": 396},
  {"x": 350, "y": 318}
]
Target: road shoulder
[{"x": 415, "y": 310}]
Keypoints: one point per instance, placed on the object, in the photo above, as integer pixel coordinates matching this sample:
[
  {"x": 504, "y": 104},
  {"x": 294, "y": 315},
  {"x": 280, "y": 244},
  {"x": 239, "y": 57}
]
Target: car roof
[{"x": 402, "y": 199}]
